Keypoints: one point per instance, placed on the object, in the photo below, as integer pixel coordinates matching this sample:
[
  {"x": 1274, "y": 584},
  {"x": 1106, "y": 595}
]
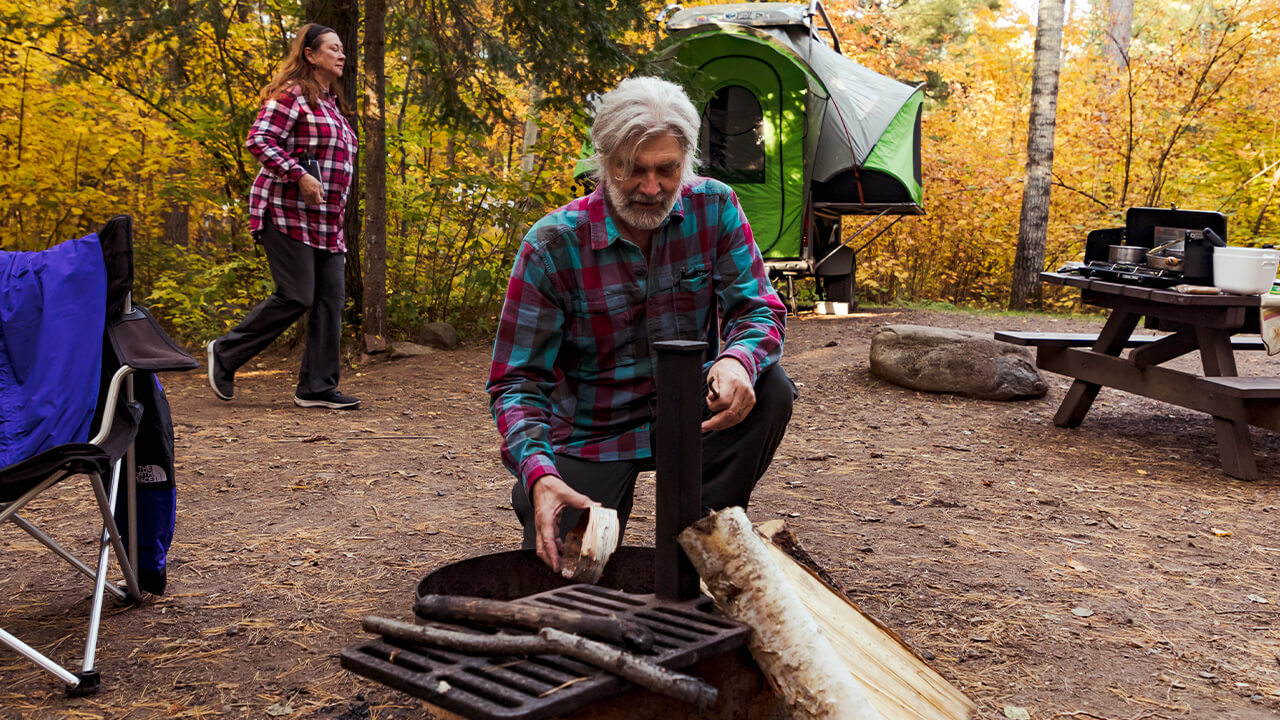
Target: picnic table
[{"x": 1214, "y": 325}]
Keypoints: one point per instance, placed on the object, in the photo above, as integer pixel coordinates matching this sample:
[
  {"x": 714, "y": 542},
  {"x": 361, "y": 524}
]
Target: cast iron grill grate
[{"x": 507, "y": 687}]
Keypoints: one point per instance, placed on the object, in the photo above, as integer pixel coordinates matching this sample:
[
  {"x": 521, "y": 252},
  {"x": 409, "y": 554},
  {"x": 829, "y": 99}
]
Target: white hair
[{"x": 638, "y": 109}]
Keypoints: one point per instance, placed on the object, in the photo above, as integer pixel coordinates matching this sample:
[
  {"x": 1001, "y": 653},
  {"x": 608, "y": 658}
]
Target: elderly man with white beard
[{"x": 654, "y": 253}]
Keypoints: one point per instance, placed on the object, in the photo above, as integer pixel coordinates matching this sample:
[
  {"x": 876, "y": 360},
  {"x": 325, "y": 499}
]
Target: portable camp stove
[{"x": 1151, "y": 227}]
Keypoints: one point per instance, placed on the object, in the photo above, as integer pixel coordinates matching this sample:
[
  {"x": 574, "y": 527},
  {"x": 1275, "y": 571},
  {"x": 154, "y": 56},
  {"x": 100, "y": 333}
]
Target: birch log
[{"x": 785, "y": 641}]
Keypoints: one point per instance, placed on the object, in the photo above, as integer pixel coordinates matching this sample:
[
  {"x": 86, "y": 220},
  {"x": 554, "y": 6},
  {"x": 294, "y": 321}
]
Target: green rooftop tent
[{"x": 803, "y": 134}]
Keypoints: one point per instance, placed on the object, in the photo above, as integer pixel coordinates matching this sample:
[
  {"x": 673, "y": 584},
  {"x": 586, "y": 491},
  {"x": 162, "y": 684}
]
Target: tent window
[{"x": 732, "y": 139}]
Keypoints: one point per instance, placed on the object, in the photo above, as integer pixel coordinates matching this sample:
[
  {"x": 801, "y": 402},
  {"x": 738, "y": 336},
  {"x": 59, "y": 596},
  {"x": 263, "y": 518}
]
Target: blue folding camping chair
[{"x": 71, "y": 342}]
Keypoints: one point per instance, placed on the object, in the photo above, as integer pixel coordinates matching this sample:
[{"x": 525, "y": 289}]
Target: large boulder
[
  {"x": 955, "y": 361},
  {"x": 437, "y": 335}
]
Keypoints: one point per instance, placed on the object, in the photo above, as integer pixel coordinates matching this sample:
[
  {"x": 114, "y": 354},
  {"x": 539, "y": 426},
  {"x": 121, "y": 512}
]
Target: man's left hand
[{"x": 730, "y": 395}]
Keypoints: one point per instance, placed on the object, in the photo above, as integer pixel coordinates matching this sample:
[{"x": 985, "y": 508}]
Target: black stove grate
[
  {"x": 1132, "y": 273},
  {"x": 504, "y": 687}
]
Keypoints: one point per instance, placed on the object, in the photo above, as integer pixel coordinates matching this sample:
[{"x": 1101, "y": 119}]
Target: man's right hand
[
  {"x": 550, "y": 496},
  {"x": 312, "y": 192}
]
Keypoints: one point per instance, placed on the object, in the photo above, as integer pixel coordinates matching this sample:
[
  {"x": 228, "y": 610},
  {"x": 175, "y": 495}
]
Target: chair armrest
[{"x": 140, "y": 342}]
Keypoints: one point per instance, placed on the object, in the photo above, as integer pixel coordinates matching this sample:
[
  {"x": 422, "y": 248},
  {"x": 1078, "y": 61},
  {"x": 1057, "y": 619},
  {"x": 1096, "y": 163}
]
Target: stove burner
[{"x": 1132, "y": 274}]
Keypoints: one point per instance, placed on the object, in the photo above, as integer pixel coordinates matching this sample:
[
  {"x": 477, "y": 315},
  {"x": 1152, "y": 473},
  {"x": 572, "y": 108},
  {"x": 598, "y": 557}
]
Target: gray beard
[{"x": 638, "y": 219}]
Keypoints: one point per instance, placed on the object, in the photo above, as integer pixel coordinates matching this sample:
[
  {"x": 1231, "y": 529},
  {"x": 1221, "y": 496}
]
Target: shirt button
[{"x": 640, "y": 272}]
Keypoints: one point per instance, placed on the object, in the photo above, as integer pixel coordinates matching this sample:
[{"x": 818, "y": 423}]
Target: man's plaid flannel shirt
[
  {"x": 287, "y": 126},
  {"x": 573, "y": 363}
]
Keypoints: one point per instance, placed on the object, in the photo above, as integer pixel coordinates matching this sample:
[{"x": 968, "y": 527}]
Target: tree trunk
[
  {"x": 344, "y": 17},
  {"x": 177, "y": 224},
  {"x": 1119, "y": 33},
  {"x": 528, "y": 158},
  {"x": 1034, "y": 223},
  {"x": 374, "y": 315}
]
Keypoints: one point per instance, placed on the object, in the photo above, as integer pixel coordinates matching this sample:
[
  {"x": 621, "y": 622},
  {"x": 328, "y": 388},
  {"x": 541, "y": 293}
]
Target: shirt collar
[{"x": 603, "y": 229}]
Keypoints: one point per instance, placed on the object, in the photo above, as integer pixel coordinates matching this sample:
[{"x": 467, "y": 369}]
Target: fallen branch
[
  {"x": 550, "y": 641},
  {"x": 534, "y": 617}
]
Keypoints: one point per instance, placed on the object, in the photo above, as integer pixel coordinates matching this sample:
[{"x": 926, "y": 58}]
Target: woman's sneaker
[
  {"x": 222, "y": 382},
  {"x": 332, "y": 400}
]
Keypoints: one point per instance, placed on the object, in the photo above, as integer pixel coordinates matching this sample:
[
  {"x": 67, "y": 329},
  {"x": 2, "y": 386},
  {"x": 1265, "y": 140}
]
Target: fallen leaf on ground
[
  {"x": 1016, "y": 713},
  {"x": 1222, "y": 533},
  {"x": 1258, "y": 599},
  {"x": 1081, "y": 612}
]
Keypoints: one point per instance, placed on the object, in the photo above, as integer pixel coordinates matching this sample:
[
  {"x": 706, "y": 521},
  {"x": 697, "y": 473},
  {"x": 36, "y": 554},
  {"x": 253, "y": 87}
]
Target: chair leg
[
  {"x": 62, "y": 552},
  {"x": 88, "y": 680},
  {"x": 107, "y": 503},
  {"x": 36, "y": 657}
]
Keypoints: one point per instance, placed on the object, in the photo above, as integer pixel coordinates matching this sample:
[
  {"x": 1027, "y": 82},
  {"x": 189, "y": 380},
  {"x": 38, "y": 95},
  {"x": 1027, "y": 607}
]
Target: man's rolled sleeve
[
  {"x": 754, "y": 316},
  {"x": 522, "y": 376}
]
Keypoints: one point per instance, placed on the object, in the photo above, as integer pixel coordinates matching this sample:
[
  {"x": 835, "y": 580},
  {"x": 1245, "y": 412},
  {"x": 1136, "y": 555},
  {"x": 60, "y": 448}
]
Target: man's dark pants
[
  {"x": 733, "y": 460},
  {"x": 307, "y": 279}
]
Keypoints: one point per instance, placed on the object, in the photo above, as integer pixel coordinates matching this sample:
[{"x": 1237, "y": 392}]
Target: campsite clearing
[{"x": 1112, "y": 571}]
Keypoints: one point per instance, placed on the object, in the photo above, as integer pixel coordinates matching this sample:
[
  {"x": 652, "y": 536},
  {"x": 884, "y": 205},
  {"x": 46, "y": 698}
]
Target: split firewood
[
  {"x": 588, "y": 546},
  {"x": 534, "y": 617},
  {"x": 550, "y": 641},
  {"x": 785, "y": 641}
]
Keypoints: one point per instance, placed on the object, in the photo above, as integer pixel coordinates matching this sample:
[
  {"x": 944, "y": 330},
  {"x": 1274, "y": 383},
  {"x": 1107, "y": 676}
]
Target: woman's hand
[
  {"x": 550, "y": 497},
  {"x": 312, "y": 191}
]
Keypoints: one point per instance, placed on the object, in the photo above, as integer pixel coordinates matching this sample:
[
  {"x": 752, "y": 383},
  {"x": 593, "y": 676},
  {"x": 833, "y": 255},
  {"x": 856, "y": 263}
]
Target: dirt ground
[{"x": 1110, "y": 572}]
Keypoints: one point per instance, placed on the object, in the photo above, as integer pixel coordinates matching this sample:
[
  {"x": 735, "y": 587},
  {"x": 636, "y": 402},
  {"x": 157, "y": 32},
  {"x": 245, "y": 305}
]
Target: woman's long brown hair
[{"x": 295, "y": 70}]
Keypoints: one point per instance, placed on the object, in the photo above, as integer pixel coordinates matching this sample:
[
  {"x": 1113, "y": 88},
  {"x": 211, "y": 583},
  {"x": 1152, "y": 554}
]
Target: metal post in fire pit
[{"x": 678, "y": 451}]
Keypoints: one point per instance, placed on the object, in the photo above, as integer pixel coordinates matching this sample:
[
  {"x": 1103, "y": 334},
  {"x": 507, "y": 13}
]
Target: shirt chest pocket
[
  {"x": 686, "y": 299},
  {"x": 604, "y": 327}
]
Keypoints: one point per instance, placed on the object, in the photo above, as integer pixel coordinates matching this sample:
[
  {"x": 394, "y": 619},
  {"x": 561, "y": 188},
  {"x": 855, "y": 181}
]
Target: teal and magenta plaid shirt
[{"x": 573, "y": 361}]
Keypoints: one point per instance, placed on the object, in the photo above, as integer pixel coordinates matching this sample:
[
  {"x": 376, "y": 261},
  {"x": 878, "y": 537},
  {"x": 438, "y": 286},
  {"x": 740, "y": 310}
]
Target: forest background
[{"x": 123, "y": 106}]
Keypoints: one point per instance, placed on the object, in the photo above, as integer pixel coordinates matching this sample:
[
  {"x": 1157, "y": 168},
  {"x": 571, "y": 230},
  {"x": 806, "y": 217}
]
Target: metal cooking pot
[{"x": 1135, "y": 254}]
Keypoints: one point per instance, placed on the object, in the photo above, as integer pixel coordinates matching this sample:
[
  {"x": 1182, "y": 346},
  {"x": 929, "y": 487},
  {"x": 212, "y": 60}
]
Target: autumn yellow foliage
[{"x": 156, "y": 128}]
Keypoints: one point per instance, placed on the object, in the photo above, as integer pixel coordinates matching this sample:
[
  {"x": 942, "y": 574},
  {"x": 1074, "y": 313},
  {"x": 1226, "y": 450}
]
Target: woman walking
[{"x": 306, "y": 148}]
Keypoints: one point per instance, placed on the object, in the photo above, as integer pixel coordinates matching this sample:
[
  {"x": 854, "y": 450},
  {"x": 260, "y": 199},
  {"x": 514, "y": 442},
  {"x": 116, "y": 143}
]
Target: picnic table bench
[
  {"x": 1215, "y": 326},
  {"x": 1038, "y": 339}
]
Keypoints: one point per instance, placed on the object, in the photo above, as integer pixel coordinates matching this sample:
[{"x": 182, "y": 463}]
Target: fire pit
[
  {"x": 686, "y": 633},
  {"x": 656, "y": 588}
]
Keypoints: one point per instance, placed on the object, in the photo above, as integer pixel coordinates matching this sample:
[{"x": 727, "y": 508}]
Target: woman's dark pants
[
  {"x": 733, "y": 460},
  {"x": 307, "y": 279}
]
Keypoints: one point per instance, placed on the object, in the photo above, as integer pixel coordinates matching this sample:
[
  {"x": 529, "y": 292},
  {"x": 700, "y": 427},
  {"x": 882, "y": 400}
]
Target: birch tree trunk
[
  {"x": 528, "y": 158},
  {"x": 373, "y": 318},
  {"x": 1034, "y": 223}
]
